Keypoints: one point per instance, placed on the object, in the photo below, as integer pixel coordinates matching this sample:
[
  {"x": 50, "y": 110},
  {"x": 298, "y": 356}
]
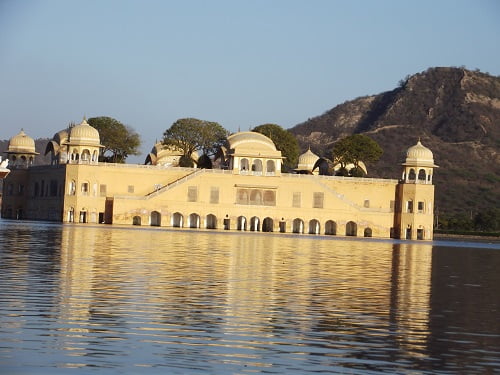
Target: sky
[{"x": 240, "y": 63}]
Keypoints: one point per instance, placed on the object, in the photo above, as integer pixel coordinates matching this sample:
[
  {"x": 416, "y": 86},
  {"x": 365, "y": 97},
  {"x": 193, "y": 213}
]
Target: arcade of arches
[{"x": 254, "y": 224}]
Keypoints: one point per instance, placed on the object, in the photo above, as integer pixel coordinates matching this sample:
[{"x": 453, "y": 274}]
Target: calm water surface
[{"x": 113, "y": 300}]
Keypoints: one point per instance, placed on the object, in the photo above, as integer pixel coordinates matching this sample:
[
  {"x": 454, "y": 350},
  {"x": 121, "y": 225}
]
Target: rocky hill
[{"x": 455, "y": 112}]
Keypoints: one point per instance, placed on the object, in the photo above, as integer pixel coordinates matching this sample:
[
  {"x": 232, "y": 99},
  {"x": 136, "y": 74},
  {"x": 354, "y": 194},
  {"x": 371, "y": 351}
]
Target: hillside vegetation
[{"x": 455, "y": 112}]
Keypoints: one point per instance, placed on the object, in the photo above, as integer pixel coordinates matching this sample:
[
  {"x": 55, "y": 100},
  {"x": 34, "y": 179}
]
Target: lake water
[{"x": 114, "y": 300}]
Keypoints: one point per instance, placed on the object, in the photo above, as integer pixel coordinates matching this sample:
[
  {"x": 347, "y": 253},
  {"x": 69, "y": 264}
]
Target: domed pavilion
[{"x": 21, "y": 150}]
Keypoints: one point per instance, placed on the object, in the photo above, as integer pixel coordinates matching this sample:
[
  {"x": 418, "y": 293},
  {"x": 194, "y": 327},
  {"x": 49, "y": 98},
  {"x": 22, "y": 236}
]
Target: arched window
[
  {"x": 244, "y": 165},
  {"x": 269, "y": 198},
  {"x": 331, "y": 227},
  {"x": 71, "y": 188},
  {"x": 211, "y": 221},
  {"x": 257, "y": 167},
  {"x": 194, "y": 221},
  {"x": 270, "y": 167},
  {"x": 256, "y": 197},
  {"x": 177, "y": 220},
  {"x": 421, "y": 175},
  {"x": 242, "y": 196},
  {"x": 254, "y": 224},
  {"x": 136, "y": 220},
  {"x": 351, "y": 229},
  {"x": 155, "y": 219},
  {"x": 298, "y": 226},
  {"x": 85, "y": 187},
  {"x": 267, "y": 225},
  {"x": 241, "y": 223},
  {"x": 368, "y": 232},
  {"x": 85, "y": 156},
  {"x": 314, "y": 227},
  {"x": 411, "y": 175}
]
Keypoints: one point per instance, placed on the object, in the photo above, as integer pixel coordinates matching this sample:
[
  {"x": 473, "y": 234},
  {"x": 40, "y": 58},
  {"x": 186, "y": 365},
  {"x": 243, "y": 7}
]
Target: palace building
[{"x": 250, "y": 193}]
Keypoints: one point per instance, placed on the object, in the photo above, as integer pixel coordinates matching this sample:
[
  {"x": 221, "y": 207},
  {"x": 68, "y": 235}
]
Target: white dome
[
  {"x": 21, "y": 143},
  {"x": 252, "y": 140},
  {"x": 419, "y": 155},
  {"x": 307, "y": 160},
  {"x": 84, "y": 134}
]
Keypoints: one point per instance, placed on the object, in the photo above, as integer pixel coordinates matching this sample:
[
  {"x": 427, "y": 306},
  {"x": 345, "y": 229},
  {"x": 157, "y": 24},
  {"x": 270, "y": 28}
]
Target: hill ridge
[{"x": 454, "y": 111}]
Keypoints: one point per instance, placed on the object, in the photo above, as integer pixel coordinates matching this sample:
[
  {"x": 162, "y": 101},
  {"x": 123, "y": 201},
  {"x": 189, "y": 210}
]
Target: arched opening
[
  {"x": 331, "y": 227},
  {"x": 194, "y": 221},
  {"x": 257, "y": 167},
  {"x": 368, "y": 232},
  {"x": 421, "y": 175},
  {"x": 71, "y": 188},
  {"x": 94, "y": 156},
  {"x": 269, "y": 198},
  {"x": 314, "y": 227},
  {"x": 155, "y": 219},
  {"x": 420, "y": 233},
  {"x": 136, "y": 220},
  {"x": 256, "y": 197},
  {"x": 298, "y": 226},
  {"x": 254, "y": 224},
  {"x": 351, "y": 229},
  {"x": 241, "y": 223},
  {"x": 242, "y": 196},
  {"x": 211, "y": 221},
  {"x": 270, "y": 167},
  {"x": 267, "y": 225},
  {"x": 71, "y": 215},
  {"x": 411, "y": 175},
  {"x": 177, "y": 220},
  {"x": 244, "y": 166},
  {"x": 85, "y": 156}
]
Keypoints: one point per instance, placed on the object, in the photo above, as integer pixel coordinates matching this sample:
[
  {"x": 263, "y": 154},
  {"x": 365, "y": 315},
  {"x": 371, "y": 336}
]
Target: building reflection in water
[
  {"x": 84, "y": 295},
  {"x": 186, "y": 288},
  {"x": 410, "y": 295}
]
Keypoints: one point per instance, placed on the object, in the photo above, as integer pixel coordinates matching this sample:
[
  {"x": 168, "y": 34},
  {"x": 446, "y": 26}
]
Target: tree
[
  {"x": 488, "y": 221},
  {"x": 354, "y": 149},
  {"x": 190, "y": 135},
  {"x": 119, "y": 140},
  {"x": 284, "y": 141}
]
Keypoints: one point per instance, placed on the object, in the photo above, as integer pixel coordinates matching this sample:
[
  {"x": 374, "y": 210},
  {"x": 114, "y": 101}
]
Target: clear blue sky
[{"x": 240, "y": 63}]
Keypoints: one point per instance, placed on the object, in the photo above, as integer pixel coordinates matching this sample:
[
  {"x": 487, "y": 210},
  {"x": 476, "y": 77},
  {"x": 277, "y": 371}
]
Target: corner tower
[{"x": 415, "y": 195}]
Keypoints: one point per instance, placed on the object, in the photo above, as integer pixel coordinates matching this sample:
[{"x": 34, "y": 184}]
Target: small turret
[{"x": 21, "y": 150}]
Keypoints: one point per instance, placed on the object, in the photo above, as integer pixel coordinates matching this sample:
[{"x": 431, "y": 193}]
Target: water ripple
[{"x": 120, "y": 300}]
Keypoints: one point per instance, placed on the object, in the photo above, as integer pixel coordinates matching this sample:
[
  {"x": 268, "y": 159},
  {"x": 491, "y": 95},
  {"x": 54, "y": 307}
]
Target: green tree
[
  {"x": 119, "y": 140},
  {"x": 191, "y": 135},
  {"x": 284, "y": 141},
  {"x": 488, "y": 221},
  {"x": 355, "y": 149}
]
